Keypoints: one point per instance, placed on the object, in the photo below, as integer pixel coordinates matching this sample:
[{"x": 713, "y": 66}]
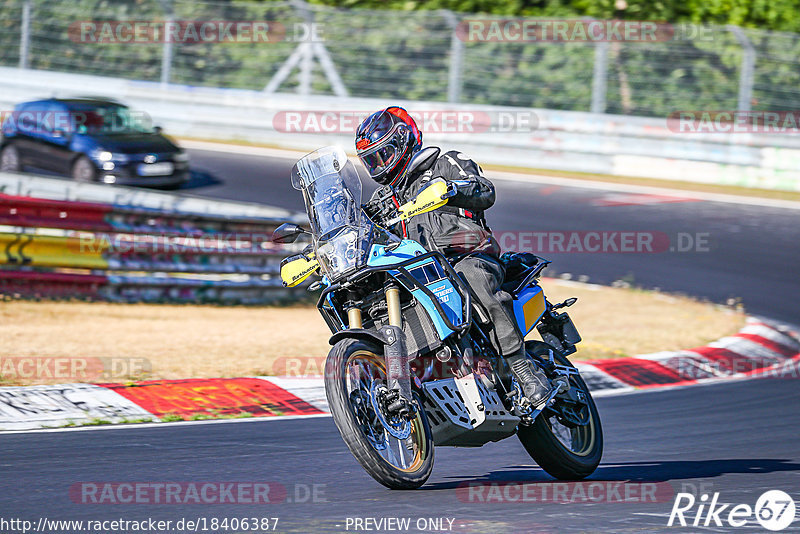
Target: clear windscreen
[
  {"x": 331, "y": 190},
  {"x": 332, "y": 194}
]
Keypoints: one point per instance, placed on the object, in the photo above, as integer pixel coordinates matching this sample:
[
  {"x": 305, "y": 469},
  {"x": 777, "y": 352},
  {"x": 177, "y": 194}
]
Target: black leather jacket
[{"x": 459, "y": 228}]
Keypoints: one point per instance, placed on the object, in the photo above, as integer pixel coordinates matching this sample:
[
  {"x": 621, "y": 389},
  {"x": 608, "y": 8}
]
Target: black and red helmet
[{"x": 385, "y": 142}]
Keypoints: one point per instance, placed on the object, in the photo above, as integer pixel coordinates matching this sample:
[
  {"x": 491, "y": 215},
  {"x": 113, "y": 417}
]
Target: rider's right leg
[{"x": 484, "y": 274}]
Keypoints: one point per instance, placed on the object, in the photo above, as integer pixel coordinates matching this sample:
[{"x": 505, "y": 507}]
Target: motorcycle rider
[{"x": 386, "y": 141}]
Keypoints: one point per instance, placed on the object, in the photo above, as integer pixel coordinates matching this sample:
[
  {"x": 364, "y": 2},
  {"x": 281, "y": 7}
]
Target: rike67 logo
[{"x": 774, "y": 510}]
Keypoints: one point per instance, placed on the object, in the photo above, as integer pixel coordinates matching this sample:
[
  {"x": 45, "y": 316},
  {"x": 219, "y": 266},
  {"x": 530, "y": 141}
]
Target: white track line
[{"x": 165, "y": 424}]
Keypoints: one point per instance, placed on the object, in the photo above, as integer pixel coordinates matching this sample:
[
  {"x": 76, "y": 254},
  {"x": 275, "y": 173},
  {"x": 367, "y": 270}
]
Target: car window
[
  {"x": 35, "y": 118},
  {"x": 108, "y": 119},
  {"x": 55, "y": 119},
  {"x": 27, "y": 117}
]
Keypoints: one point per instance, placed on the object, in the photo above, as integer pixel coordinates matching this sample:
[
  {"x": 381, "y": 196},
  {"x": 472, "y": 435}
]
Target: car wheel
[
  {"x": 9, "y": 159},
  {"x": 83, "y": 170}
]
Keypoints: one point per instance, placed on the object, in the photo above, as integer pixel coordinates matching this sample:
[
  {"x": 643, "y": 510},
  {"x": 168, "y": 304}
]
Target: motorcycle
[{"x": 412, "y": 365}]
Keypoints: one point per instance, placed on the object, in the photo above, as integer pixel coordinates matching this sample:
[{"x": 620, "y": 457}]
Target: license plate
[
  {"x": 560, "y": 332},
  {"x": 571, "y": 334},
  {"x": 156, "y": 169}
]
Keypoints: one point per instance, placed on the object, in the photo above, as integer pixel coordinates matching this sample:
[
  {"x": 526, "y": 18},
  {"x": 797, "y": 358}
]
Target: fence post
[
  {"x": 600, "y": 77},
  {"x": 747, "y": 69},
  {"x": 306, "y": 65},
  {"x": 456, "y": 59},
  {"x": 307, "y": 54},
  {"x": 25, "y": 35},
  {"x": 303, "y": 55},
  {"x": 166, "y": 50}
]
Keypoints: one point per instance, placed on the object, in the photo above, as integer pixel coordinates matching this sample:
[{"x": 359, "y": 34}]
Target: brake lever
[{"x": 452, "y": 191}]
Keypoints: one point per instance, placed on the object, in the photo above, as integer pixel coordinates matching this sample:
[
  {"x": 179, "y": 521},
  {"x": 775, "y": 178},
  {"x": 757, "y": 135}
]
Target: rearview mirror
[
  {"x": 287, "y": 233},
  {"x": 423, "y": 160}
]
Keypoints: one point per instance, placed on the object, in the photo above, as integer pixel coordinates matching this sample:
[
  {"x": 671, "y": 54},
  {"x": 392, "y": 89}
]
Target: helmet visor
[{"x": 382, "y": 158}]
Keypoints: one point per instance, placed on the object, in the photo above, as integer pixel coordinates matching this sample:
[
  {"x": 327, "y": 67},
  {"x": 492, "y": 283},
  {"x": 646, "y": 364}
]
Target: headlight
[
  {"x": 105, "y": 155},
  {"x": 180, "y": 157},
  {"x": 342, "y": 253},
  {"x": 102, "y": 155}
]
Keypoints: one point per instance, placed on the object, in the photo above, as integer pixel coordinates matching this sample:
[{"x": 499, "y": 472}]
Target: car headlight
[
  {"x": 101, "y": 155},
  {"x": 180, "y": 157},
  {"x": 105, "y": 155}
]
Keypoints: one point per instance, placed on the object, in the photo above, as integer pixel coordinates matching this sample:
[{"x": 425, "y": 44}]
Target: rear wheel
[
  {"x": 566, "y": 451},
  {"x": 9, "y": 159},
  {"x": 83, "y": 170},
  {"x": 395, "y": 452}
]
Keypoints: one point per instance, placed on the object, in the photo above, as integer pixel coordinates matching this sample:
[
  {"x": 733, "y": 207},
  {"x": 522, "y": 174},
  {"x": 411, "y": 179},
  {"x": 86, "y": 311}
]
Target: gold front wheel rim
[{"x": 374, "y": 366}]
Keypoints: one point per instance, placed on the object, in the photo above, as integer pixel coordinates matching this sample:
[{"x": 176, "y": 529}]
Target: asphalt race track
[
  {"x": 738, "y": 439},
  {"x": 747, "y": 252}
]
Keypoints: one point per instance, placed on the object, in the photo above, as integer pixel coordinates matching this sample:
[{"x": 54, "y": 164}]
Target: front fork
[
  {"x": 397, "y": 396},
  {"x": 398, "y": 368}
]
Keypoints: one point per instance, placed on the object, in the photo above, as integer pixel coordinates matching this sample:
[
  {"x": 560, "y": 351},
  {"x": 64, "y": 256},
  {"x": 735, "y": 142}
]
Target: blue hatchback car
[{"x": 91, "y": 140}]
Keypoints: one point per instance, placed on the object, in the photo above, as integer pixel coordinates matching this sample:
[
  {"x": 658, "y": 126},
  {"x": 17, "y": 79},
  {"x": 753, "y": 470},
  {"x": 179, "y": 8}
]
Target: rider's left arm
[{"x": 473, "y": 190}]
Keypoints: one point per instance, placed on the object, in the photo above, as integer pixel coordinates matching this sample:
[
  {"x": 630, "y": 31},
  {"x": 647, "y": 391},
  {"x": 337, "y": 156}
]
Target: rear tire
[
  {"x": 341, "y": 387},
  {"x": 547, "y": 449},
  {"x": 9, "y": 159}
]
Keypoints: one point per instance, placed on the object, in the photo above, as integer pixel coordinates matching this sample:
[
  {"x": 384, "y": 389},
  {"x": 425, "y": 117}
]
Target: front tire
[
  {"x": 566, "y": 454},
  {"x": 352, "y": 369}
]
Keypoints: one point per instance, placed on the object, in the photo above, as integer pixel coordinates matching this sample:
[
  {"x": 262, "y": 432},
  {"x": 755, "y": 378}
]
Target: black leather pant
[{"x": 484, "y": 274}]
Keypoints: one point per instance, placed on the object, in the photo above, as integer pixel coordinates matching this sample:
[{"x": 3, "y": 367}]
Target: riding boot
[{"x": 534, "y": 383}]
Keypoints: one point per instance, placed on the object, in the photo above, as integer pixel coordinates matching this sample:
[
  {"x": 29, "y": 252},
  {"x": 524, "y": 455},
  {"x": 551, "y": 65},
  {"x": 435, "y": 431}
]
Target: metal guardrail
[
  {"x": 131, "y": 199},
  {"x": 602, "y": 106},
  {"x": 140, "y": 247},
  {"x": 558, "y": 140}
]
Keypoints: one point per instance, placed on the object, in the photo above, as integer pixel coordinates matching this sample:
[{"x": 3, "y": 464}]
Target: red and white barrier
[{"x": 758, "y": 350}]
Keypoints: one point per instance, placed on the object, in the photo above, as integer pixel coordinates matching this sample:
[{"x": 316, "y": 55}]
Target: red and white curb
[
  {"x": 761, "y": 348},
  {"x": 30, "y": 407}
]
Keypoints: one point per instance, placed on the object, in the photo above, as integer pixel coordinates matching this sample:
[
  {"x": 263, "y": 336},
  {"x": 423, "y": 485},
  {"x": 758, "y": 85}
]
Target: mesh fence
[{"x": 417, "y": 55}]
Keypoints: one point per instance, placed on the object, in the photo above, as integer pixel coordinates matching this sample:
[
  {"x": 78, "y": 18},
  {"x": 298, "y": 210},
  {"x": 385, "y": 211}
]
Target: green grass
[{"x": 97, "y": 421}]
